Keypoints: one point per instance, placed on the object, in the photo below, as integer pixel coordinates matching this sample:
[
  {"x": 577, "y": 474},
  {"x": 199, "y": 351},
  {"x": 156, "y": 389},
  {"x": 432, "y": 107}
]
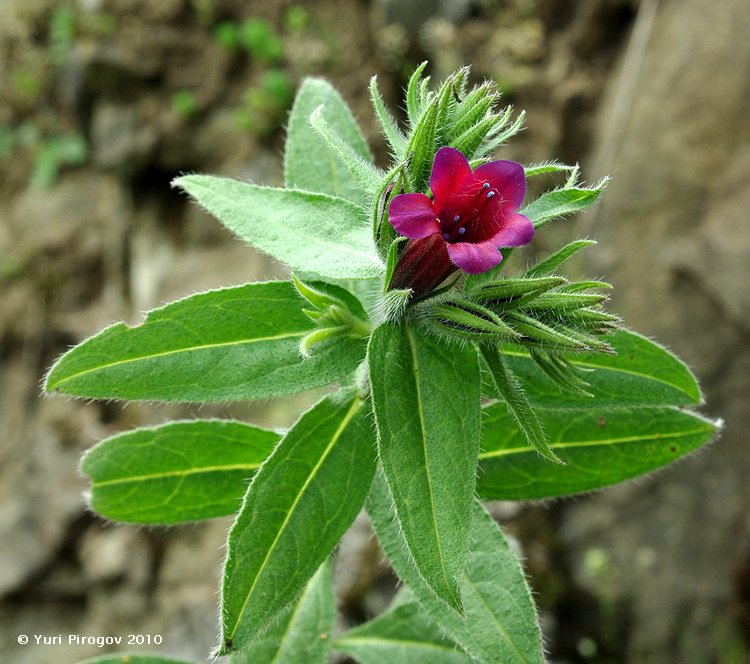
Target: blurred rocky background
[{"x": 102, "y": 102}]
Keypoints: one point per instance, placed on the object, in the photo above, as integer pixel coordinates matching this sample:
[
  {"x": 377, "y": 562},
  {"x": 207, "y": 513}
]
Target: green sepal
[
  {"x": 551, "y": 263},
  {"x": 413, "y": 106},
  {"x": 518, "y": 403},
  {"x": 367, "y": 176},
  {"x": 321, "y": 295},
  {"x": 496, "y": 138},
  {"x": 562, "y": 202},
  {"x": 562, "y": 372},
  {"x": 393, "y": 254},
  {"x": 473, "y": 108},
  {"x": 467, "y": 319},
  {"x": 508, "y": 289},
  {"x": 552, "y": 168},
  {"x": 563, "y": 303},
  {"x": 546, "y": 335},
  {"x": 421, "y": 148},
  {"x": 388, "y": 125}
]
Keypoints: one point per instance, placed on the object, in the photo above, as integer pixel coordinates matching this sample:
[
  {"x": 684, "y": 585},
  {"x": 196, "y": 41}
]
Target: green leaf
[
  {"x": 561, "y": 202},
  {"x": 402, "y": 635},
  {"x": 309, "y": 162},
  {"x": 421, "y": 148},
  {"x": 517, "y": 402},
  {"x": 181, "y": 471},
  {"x": 388, "y": 125},
  {"x": 298, "y": 505},
  {"x": 302, "y": 634},
  {"x": 642, "y": 373},
  {"x": 234, "y": 343},
  {"x": 599, "y": 445},
  {"x": 426, "y": 402},
  {"x": 413, "y": 105},
  {"x": 134, "y": 658},
  {"x": 311, "y": 233},
  {"x": 551, "y": 263},
  {"x": 499, "y": 625},
  {"x": 368, "y": 176}
]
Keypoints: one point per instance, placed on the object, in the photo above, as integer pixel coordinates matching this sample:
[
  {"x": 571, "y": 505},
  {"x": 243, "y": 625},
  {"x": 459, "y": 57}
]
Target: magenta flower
[{"x": 472, "y": 214}]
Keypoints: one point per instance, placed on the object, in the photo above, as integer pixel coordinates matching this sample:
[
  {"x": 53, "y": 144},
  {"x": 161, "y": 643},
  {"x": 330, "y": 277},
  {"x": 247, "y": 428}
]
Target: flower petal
[
  {"x": 516, "y": 231},
  {"x": 449, "y": 171},
  {"x": 474, "y": 258},
  {"x": 507, "y": 177},
  {"x": 412, "y": 215}
]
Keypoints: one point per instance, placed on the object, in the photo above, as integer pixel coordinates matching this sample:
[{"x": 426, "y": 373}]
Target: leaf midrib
[
  {"x": 357, "y": 640},
  {"x": 356, "y": 405},
  {"x": 590, "y": 365},
  {"x": 175, "y": 473},
  {"x": 423, "y": 431},
  {"x": 176, "y": 351},
  {"x": 590, "y": 443},
  {"x": 345, "y": 248},
  {"x": 500, "y": 626}
]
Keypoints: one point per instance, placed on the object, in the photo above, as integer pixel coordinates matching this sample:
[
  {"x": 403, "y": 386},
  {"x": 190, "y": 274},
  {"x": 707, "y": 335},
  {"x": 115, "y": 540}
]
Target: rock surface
[{"x": 673, "y": 230}]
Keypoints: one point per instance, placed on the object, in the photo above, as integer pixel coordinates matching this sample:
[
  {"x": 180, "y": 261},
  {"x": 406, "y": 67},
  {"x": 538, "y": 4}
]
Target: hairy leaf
[
  {"x": 298, "y": 505},
  {"x": 311, "y": 233},
  {"x": 402, "y": 635},
  {"x": 233, "y": 343},
  {"x": 599, "y": 445},
  {"x": 181, "y": 471},
  {"x": 426, "y": 402},
  {"x": 134, "y": 658},
  {"x": 642, "y": 373},
  {"x": 303, "y": 631},
  {"x": 499, "y": 625},
  {"x": 561, "y": 202},
  {"x": 309, "y": 162},
  {"x": 517, "y": 402}
]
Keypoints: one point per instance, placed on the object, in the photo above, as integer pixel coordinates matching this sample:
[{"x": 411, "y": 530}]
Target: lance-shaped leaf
[
  {"x": 311, "y": 233},
  {"x": 134, "y": 658},
  {"x": 426, "y": 402},
  {"x": 181, "y": 471},
  {"x": 368, "y": 176},
  {"x": 298, "y": 505},
  {"x": 642, "y": 373},
  {"x": 402, "y": 635},
  {"x": 303, "y": 631},
  {"x": 599, "y": 445},
  {"x": 499, "y": 625},
  {"x": 562, "y": 202},
  {"x": 309, "y": 161},
  {"x": 388, "y": 125},
  {"x": 233, "y": 343}
]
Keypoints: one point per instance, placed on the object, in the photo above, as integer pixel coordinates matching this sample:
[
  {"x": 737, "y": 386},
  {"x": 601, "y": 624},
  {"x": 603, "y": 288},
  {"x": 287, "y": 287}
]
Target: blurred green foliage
[
  {"x": 265, "y": 102},
  {"x": 184, "y": 103}
]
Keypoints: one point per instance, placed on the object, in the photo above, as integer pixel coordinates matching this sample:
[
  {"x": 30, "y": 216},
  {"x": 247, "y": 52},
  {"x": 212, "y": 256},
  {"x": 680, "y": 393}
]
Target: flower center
[{"x": 461, "y": 221}]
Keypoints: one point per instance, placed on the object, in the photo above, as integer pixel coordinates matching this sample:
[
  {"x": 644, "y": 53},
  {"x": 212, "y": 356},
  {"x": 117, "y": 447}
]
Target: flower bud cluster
[{"x": 336, "y": 313}]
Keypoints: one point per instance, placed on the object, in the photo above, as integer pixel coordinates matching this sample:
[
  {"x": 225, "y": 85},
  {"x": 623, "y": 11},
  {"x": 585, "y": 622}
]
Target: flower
[{"x": 471, "y": 215}]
